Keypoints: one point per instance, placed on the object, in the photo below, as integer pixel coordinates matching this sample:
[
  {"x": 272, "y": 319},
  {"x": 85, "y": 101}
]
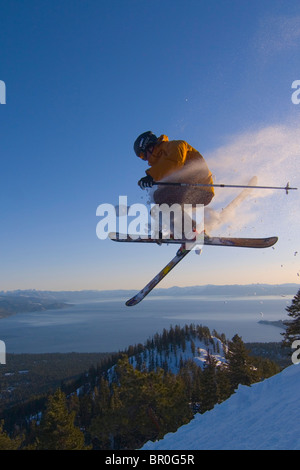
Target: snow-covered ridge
[
  {"x": 172, "y": 358},
  {"x": 264, "y": 416}
]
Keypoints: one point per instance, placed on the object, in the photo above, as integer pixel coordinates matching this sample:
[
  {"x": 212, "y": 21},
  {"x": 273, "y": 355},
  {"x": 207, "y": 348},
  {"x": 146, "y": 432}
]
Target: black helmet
[{"x": 142, "y": 142}]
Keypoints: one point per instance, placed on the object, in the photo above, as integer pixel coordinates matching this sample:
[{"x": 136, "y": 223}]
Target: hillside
[
  {"x": 172, "y": 349},
  {"x": 264, "y": 416},
  {"x": 196, "y": 350},
  {"x": 137, "y": 395}
]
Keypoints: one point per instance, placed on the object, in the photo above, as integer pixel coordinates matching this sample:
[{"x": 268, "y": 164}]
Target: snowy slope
[{"x": 264, "y": 416}]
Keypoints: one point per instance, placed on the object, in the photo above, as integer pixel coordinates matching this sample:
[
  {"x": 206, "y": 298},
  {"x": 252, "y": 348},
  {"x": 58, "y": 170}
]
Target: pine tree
[
  {"x": 240, "y": 368},
  {"x": 143, "y": 405},
  {"x": 6, "y": 443},
  {"x": 208, "y": 386},
  {"x": 292, "y": 332},
  {"x": 223, "y": 383},
  {"x": 57, "y": 430}
]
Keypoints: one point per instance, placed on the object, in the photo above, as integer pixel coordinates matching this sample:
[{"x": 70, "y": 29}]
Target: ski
[
  {"x": 212, "y": 241},
  {"x": 181, "y": 253}
]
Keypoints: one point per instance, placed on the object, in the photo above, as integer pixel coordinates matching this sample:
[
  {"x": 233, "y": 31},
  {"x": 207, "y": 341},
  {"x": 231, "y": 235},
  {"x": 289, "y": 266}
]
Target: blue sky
[{"x": 84, "y": 78}]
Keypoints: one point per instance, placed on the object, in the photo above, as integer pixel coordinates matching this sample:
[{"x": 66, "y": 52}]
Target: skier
[{"x": 174, "y": 161}]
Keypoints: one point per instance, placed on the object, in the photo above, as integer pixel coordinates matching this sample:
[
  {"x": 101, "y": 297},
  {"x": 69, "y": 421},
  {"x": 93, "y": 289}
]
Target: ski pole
[{"x": 165, "y": 183}]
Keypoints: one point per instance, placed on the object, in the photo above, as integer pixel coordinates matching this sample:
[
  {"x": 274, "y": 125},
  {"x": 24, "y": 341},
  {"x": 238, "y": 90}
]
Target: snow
[{"x": 264, "y": 416}]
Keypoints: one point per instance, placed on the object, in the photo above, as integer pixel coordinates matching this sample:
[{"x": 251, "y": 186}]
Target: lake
[{"x": 108, "y": 325}]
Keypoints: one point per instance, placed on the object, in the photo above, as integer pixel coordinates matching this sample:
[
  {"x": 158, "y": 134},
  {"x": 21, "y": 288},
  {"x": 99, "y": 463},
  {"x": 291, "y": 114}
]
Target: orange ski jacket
[{"x": 170, "y": 156}]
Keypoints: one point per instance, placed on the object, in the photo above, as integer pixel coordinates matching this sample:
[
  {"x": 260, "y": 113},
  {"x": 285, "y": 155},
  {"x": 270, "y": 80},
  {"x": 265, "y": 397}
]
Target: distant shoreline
[
  {"x": 13, "y": 306},
  {"x": 277, "y": 323}
]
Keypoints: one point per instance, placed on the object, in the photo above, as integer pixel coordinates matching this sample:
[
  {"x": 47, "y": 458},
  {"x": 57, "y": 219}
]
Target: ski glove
[{"x": 146, "y": 182}]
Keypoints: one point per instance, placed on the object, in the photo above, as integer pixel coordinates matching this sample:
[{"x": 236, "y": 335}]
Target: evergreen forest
[{"x": 125, "y": 399}]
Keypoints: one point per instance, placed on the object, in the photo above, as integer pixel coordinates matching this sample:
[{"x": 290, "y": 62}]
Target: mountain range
[
  {"x": 209, "y": 289},
  {"x": 31, "y": 300}
]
